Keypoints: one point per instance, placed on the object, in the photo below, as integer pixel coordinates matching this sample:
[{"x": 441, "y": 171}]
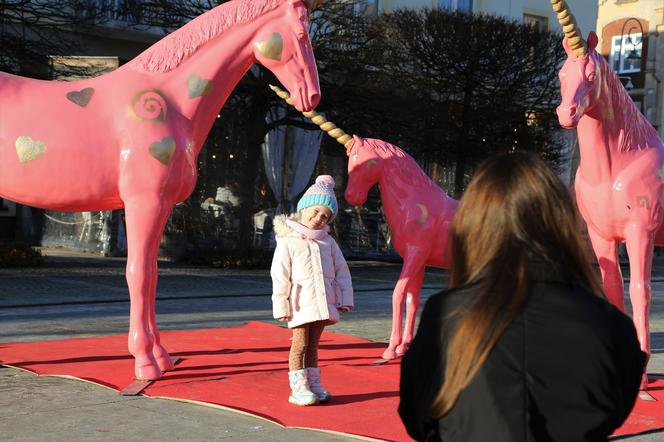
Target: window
[
  {"x": 366, "y": 7},
  {"x": 456, "y": 5},
  {"x": 537, "y": 22},
  {"x": 626, "y": 59},
  {"x": 128, "y": 11}
]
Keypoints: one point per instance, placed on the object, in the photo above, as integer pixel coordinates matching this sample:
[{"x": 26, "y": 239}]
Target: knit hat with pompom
[{"x": 321, "y": 193}]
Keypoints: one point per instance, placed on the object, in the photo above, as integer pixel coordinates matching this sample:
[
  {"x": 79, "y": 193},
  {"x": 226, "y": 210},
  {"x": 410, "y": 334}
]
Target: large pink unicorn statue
[
  {"x": 130, "y": 139},
  {"x": 418, "y": 212},
  {"x": 618, "y": 184}
]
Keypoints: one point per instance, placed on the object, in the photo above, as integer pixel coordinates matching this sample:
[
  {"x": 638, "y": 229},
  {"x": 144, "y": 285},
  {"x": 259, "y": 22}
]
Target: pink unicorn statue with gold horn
[
  {"x": 417, "y": 210},
  {"x": 130, "y": 139},
  {"x": 618, "y": 184}
]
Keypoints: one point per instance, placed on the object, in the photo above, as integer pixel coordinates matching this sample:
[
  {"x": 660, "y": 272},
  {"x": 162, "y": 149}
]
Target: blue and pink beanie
[{"x": 321, "y": 193}]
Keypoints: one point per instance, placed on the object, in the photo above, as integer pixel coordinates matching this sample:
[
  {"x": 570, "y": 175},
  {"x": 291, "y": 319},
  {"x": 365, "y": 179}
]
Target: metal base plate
[{"x": 138, "y": 385}]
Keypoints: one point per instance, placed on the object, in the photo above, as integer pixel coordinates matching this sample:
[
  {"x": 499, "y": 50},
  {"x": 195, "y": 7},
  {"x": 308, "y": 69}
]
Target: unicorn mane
[
  {"x": 169, "y": 52},
  {"x": 410, "y": 170},
  {"x": 636, "y": 129}
]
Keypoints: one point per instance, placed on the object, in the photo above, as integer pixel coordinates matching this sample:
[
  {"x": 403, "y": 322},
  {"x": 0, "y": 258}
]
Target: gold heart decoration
[
  {"x": 82, "y": 97},
  {"x": 272, "y": 47},
  {"x": 198, "y": 86},
  {"x": 28, "y": 149},
  {"x": 163, "y": 150}
]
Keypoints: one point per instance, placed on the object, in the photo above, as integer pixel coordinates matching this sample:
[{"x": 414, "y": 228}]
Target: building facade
[{"x": 631, "y": 37}]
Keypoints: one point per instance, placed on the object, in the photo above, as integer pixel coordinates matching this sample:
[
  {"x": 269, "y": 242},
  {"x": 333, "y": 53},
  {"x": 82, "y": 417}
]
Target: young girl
[{"x": 311, "y": 285}]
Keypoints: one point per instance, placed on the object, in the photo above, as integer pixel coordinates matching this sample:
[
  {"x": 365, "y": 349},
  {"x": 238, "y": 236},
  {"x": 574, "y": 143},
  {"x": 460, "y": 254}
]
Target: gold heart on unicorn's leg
[
  {"x": 28, "y": 149},
  {"x": 163, "y": 150}
]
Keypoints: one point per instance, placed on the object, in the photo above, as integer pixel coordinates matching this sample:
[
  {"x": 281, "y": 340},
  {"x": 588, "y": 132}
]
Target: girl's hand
[
  {"x": 345, "y": 308},
  {"x": 284, "y": 319}
]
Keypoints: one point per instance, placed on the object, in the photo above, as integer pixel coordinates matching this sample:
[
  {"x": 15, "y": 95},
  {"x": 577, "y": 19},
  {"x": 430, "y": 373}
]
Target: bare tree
[{"x": 449, "y": 87}]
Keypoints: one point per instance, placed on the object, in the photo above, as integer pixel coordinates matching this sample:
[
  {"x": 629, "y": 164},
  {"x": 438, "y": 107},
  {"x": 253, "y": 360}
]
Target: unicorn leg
[
  {"x": 145, "y": 224},
  {"x": 412, "y": 304},
  {"x": 412, "y": 264},
  {"x": 607, "y": 257},
  {"x": 395, "y": 335},
  {"x": 158, "y": 351},
  {"x": 640, "y": 249}
]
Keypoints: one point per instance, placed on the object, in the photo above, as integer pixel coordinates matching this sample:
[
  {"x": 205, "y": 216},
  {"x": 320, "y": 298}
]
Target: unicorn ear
[
  {"x": 592, "y": 40},
  {"x": 351, "y": 148}
]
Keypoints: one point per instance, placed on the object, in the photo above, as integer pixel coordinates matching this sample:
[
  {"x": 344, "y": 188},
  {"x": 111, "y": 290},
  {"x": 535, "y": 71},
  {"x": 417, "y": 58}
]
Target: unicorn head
[
  {"x": 579, "y": 75},
  {"x": 579, "y": 80},
  {"x": 365, "y": 168},
  {"x": 284, "y": 48}
]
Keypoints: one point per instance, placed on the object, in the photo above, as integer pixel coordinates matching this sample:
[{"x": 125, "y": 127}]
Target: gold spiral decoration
[
  {"x": 327, "y": 126},
  {"x": 150, "y": 105},
  {"x": 571, "y": 29}
]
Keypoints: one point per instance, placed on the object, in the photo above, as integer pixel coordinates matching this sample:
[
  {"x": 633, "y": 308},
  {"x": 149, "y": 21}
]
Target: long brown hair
[{"x": 514, "y": 208}]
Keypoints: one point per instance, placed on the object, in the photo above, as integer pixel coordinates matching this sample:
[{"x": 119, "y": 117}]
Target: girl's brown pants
[{"x": 304, "y": 348}]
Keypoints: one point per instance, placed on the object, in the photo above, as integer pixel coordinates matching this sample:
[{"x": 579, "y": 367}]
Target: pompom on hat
[{"x": 321, "y": 193}]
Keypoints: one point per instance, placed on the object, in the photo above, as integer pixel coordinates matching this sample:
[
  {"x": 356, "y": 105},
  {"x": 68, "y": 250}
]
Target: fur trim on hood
[{"x": 280, "y": 227}]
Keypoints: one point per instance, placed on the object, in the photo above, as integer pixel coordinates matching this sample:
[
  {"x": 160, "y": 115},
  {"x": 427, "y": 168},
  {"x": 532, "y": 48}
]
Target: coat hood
[{"x": 280, "y": 227}]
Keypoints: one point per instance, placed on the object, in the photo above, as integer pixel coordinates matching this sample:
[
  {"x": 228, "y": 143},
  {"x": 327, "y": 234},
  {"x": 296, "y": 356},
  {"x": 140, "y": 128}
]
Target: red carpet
[{"x": 245, "y": 368}]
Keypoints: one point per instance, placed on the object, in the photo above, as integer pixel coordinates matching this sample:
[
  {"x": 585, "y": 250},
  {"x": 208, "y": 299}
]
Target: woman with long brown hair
[{"x": 523, "y": 345}]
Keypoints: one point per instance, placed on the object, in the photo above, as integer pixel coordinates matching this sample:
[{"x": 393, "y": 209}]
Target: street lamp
[
  {"x": 628, "y": 84},
  {"x": 632, "y": 56}
]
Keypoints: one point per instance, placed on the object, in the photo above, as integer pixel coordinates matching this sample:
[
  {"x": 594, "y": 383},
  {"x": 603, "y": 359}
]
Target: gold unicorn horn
[
  {"x": 327, "y": 126},
  {"x": 570, "y": 27}
]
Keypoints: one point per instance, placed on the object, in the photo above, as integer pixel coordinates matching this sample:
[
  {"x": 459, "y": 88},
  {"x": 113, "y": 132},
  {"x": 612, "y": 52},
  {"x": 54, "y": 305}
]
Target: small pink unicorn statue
[
  {"x": 418, "y": 212},
  {"x": 130, "y": 139},
  {"x": 618, "y": 184}
]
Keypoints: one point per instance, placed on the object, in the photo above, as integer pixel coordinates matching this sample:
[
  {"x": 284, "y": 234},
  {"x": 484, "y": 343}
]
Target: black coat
[{"x": 566, "y": 369}]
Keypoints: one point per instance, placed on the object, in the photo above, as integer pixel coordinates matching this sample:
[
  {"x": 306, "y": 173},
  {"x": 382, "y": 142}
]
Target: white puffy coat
[{"x": 310, "y": 277}]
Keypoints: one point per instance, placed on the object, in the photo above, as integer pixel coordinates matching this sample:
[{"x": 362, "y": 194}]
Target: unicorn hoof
[
  {"x": 164, "y": 360},
  {"x": 165, "y": 363},
  {"x": 147, "y": 372},
  {"x": 402, "y": 349},
  {"x": 389, "y": 354}
]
